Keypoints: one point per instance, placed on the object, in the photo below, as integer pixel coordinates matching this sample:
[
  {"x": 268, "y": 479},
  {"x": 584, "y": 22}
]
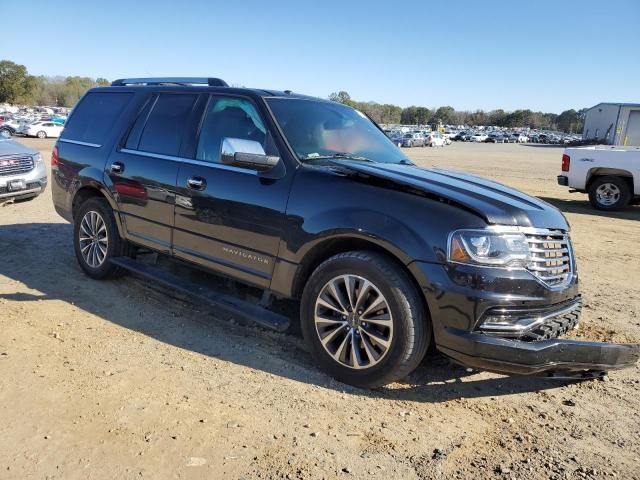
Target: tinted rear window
[
  {"x": 166, "y": 124},
  {"x": 92, "y": 118}
]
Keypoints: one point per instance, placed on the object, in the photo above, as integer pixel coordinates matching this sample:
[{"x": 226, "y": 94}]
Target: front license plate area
[{"x": 17, "y": 185}]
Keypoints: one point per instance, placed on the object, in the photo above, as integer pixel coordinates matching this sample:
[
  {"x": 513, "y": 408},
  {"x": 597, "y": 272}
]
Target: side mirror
[{"x": 246, "y": 154}]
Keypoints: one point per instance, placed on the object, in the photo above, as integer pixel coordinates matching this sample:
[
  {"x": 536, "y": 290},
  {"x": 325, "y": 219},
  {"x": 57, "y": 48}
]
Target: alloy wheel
[
  {"x": 94, "y": 240},
  {"x": 353, "y": 321}
]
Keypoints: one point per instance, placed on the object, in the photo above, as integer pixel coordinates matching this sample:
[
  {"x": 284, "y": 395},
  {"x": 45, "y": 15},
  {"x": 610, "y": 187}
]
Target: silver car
[{"x": 23, "y": 175}]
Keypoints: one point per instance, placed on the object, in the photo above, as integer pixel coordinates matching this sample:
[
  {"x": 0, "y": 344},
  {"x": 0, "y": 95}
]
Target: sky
[{"x": 543, "y": 55}]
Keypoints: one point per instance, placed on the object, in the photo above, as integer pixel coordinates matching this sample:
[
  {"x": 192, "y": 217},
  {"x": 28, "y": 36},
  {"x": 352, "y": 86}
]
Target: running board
[{"x": 227, "y": 303}]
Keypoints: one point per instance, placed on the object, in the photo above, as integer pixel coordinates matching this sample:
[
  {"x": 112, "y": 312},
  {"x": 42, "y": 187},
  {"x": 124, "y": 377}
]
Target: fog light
[{"x": 509, "y": 323}]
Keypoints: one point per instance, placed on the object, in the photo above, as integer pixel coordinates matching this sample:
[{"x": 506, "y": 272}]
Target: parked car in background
[
  {"x": 458, "y": 137},
  {"x": 396, "y": 138},
  {"x": 7, "y": 130},
  {"x": 478, "y": 137},
  {"x": 44, "y": 130},
  {"x": 522, "y": 138},
  {"x": 610, "y": 175},
  {"x": 23, "y": 175},
  {"x": 413, "y": 140},
  {"x": 495, "y": 138},
  {"x": 435, "y": 139}
]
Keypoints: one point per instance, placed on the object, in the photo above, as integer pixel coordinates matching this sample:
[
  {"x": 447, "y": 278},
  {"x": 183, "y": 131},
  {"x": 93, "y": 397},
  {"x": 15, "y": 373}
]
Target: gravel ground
[{"x": 125, "y": 379}]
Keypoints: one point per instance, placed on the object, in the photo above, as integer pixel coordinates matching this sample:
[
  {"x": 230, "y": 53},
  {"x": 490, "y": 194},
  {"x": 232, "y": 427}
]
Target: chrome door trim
[
  {"x": 200, "y": 163},
  {"x": 77, "y": 142}
]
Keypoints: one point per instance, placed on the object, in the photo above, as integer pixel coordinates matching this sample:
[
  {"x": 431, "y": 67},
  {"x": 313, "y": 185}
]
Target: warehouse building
[{"x": 613, "y": 124}]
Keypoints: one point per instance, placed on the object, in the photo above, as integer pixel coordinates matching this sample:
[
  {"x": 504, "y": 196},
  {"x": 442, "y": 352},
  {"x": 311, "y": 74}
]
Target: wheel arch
[
  {"x": 596, "y": 172},
  {"x": 328, "y": 247},
  {"x": 91, "y": 190}
]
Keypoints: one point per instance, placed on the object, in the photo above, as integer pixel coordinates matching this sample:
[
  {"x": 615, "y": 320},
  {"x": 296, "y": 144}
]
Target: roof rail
[{"x": 212, "y": 82}]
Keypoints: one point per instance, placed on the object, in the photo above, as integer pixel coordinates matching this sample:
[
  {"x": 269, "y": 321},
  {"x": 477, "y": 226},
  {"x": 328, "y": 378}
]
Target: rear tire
[
  {"x": 41, "y": 134},
  {"x": 350, "y": 331},
  {"x": 609, "y": 193},
  {"x": 96, "y": 240}
]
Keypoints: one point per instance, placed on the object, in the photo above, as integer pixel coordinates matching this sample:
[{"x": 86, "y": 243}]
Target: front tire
[
  {"x": 96, "y": 240},
  {"x": 609, "y": 193},
  {"x": 363, "y": 319},
  {"x": 41, "y": 134}
]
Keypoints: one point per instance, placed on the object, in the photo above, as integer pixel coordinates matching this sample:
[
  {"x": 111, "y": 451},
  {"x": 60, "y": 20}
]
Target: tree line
[
  {"x": 18, "y": 87},
  {"x": 569, "y": 121}
]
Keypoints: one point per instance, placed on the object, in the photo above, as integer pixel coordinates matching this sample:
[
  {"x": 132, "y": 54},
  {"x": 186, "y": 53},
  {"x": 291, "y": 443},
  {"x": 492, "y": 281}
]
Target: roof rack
[{"x": 212, "y": 82}]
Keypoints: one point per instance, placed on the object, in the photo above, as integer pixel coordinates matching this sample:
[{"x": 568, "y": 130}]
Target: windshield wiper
[{"x": 339, "y": 156}]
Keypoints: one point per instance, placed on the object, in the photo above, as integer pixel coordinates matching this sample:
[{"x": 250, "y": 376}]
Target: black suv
[{"x": 308, "y": 199}]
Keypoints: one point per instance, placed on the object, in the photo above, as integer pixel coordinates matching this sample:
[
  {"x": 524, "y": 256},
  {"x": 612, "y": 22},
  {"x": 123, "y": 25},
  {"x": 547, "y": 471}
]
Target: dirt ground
[{"x": 123, "y": 379}]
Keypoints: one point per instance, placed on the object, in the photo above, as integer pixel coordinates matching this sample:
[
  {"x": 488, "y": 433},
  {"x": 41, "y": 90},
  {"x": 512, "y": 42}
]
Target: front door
[
  {"x": 229, "y": 219},
  {"x": 143, "y": 173}
]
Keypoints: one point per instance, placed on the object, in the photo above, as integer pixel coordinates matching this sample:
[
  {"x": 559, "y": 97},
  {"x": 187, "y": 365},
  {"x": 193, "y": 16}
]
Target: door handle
[
  {"x": 117, "y": 167},
  {"x": 197, "y": 183}
]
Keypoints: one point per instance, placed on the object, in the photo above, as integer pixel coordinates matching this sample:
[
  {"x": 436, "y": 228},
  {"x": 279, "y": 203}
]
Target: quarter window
[{"x": 92, "y": 119}]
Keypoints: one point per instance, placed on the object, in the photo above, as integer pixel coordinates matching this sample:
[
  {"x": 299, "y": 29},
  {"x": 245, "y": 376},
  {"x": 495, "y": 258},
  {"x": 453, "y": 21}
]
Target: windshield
[{"x": 317, "y": 129}]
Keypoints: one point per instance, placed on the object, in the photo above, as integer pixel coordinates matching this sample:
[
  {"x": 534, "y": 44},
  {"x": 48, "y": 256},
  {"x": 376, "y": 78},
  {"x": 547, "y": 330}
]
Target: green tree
[
  {"x": 444, "y": 115},
  {"x": 423, "y": 115},
  {"x": 391, "y": 113},
  {"x": 479, "y": 117},
  {"x": 75, "y": 87},
  {"x": 16, "y": 85},
  {"x": 409, "y": 116},
  {"x": 496, "y": 117},
  {"x": 569, "y": 121},
  {"x": 342, "y": 97}
]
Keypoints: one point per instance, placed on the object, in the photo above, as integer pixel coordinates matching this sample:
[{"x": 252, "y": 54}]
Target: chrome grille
[
  {"x": 15, "y": 164},
  {"x": 551, "y": 256}
]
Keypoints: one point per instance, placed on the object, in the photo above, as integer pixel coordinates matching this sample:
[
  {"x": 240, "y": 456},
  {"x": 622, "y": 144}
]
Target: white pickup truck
[{"x": 610, "y": 175}]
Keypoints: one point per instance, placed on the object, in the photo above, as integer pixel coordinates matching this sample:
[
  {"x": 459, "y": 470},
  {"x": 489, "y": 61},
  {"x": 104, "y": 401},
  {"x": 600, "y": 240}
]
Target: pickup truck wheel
[
  {"x": 609, "y": 193},
  {"x": 96, "y": 240},
  {"x": 363, "y": 319}
]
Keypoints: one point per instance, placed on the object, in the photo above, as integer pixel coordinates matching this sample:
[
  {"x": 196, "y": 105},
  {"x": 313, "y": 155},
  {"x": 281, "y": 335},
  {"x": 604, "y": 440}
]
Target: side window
[
  {"x": 228, "y": 117},
  {"x": 92, "y": 119},
  {"x": 166, "y": 124}
]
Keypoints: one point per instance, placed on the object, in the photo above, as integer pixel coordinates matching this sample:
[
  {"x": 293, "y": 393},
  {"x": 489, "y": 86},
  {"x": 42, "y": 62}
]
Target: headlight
[
  {"x": 484, "y": 247},
  {"x": 37, "y": 159}
]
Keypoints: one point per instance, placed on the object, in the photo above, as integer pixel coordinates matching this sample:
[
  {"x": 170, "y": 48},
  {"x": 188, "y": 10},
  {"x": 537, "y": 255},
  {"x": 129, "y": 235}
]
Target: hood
[
  {"x": 11, "y": 147},
  {"x": 497, "y": 204}
]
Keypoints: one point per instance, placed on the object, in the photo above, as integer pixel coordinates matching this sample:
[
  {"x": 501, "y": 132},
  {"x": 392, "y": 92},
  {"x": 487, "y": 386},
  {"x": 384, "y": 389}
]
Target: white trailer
[{"x": 613, "y": 124}]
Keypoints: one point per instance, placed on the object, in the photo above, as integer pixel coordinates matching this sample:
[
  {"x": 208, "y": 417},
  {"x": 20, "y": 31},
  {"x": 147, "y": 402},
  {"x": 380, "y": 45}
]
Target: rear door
[
  {"x": 143, "y": 171},
  {"x": 227, "y": 218}
]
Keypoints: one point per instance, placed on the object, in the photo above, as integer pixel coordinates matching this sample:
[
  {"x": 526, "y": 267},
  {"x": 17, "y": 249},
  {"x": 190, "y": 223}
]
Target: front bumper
[
  {"x": 503, "y": 355},
  {"x": 461, "y": 298},
  {"x": 34, "y": 181}
]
